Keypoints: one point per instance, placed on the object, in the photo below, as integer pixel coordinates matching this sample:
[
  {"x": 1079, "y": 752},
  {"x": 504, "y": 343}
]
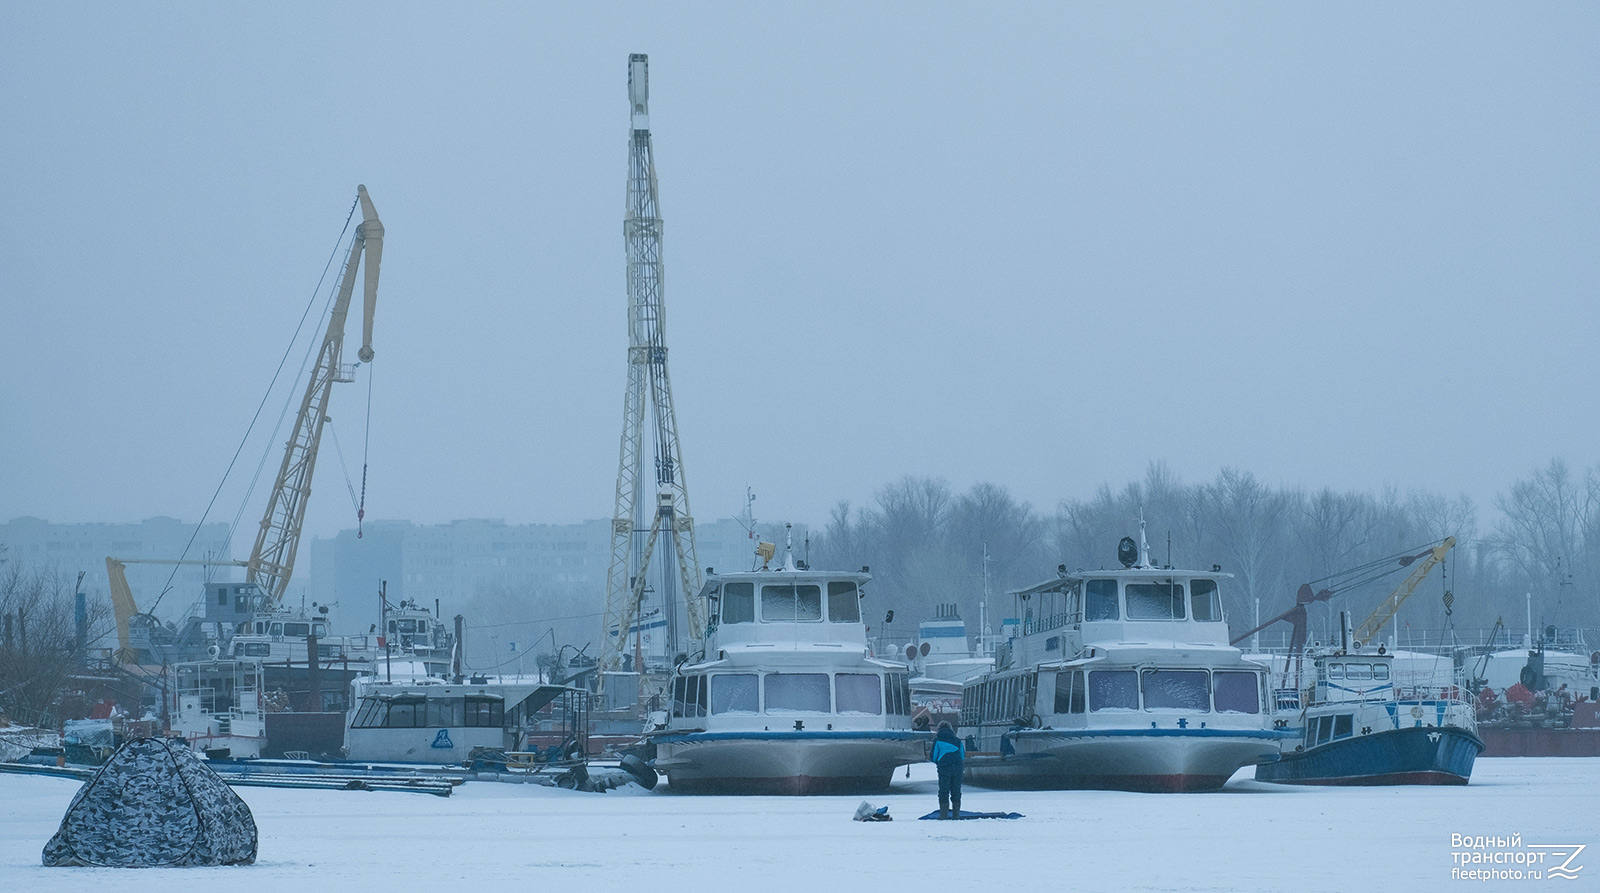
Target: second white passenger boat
[
  {"x": 1119, "y": 679},
  {"x": 787, "y": 697}
]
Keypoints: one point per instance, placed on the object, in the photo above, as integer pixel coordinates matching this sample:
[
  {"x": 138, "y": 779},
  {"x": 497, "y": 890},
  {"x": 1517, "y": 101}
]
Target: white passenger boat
[
  {"x": 786, "y": 697},
  {"x": 417, "y": 718},
  {"x": 1119, "y": 679}
]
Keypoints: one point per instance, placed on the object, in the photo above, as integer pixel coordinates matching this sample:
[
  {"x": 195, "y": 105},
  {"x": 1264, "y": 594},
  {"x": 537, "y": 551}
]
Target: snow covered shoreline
[{"x": 1249, "y": 836}]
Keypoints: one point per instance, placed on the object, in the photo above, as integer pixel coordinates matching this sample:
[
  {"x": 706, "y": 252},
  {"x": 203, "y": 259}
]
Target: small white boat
[
  {"x": 1119, "y": 679},
  {"x": 219, "y": 707},
  {"x": 426, "y": 719},
  {"x": 786, "y": 697}
]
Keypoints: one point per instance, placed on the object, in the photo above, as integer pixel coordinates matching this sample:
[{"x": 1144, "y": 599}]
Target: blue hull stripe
[
  {"x": 671, "y": 738},
  {"x": 1261, "y": 734}
]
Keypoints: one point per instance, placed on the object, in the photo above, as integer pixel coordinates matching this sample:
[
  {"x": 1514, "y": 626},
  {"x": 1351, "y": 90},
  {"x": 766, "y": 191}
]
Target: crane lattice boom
[{"x": 647, "y": 374}]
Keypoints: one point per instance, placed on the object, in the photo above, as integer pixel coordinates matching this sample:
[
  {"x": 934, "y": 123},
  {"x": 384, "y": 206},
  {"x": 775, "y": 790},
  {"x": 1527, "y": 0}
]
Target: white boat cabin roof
[
  {"x": 1123, "y": 609},
  {"x": 1065, "y": 580},
  {"x": 806, "y": 610},
  {"x": 780, "y": 575}
]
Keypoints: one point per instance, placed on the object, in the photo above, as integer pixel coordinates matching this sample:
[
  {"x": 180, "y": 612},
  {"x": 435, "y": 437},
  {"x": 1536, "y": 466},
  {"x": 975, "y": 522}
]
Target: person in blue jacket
[{"x": 949, "y": 756}]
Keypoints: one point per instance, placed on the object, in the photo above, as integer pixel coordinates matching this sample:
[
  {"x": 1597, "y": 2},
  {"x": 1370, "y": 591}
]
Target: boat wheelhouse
[
  {"x": 1119, "y": 679},
  {"x": 787, "y": 697},
  {"x": 220, "y": 707},
  {"x": 1360, "y": 728}
]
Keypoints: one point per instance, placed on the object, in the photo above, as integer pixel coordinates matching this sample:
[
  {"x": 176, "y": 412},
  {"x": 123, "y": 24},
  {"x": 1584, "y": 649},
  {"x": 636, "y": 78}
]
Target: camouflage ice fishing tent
[{"x": 154, "y": 804}]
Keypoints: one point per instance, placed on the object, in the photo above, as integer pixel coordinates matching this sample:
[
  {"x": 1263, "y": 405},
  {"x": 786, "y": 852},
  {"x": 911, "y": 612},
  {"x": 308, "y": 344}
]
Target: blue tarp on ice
[{"x": 973, "y": 815}]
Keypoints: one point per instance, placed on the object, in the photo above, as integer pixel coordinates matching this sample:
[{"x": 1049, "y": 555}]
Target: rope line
[
  {"x": 366, "y": 443},
  {"x": 167, "y": 587}
]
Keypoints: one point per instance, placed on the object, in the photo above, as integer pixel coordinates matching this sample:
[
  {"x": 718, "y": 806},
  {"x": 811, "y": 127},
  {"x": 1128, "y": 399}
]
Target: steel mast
[{"x": 647, "y": 370}]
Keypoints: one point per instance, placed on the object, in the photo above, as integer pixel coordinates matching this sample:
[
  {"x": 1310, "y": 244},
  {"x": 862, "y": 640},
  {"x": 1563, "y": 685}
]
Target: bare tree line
[
  {"x": 38, "y": 639},
  {"x": 926, "y": 545}
]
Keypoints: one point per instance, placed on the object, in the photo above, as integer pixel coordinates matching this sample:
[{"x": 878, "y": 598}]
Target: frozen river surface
[{"x": 1249, "y": 836}]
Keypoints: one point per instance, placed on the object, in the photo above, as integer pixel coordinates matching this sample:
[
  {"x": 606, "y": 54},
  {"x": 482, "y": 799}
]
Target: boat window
[
  {"x": 407, "y": 714},
  {"x": 370, "y": 714},
  {"x": 1335, "y": 671},
  {"x": 1113, "y": 690},
  {"x": 1342, "y": 725},
  {"x": 899, "y": 694},
  {"x": 786, "y": 601},
  {"x": 734, "y": 693},
  {"x": 256, "y": 649},
  {"x": 1380, "y": 671},
  {"x": 484, "y": 712},
  {"x": 319, "y": 628},
  {"x": 797, "y": 693},
  {"x": 1324, "y": 729},
  {"x": 1100, "y": 600},
  {"x": 297, "y": 629},
  {"x": 858, "y": 692},
  {"x": 1176, "y": 690},
  {"x": 276, "y": 629},
  {"x": 330, "y": 651},
  {"x": 738, "y": 603},
  {"x": 1236, "y": 691},
  {"x": 678, "y": 686},
  {"x": 1358, "y": 671},
  {"x": 1069, "y": 691},
  {"x": 408, "y": 626},
  {"x": 689, "y": 696},
  {"x": 446, "y": 713},
  {"x": 1155, "y": 601},
  {"x": 1204, "y": 604},
  {"x": 695, "y": 701},
  {"x": 844, "y": 603}
]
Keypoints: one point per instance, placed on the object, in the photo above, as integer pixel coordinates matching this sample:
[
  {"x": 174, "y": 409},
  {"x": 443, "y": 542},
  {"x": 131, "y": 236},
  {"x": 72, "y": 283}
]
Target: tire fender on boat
[{"x": 641, "y": 772}]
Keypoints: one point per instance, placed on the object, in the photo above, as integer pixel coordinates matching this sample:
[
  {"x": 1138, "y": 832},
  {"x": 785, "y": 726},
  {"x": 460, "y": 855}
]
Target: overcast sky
[{"x": 1040, "y": 245}]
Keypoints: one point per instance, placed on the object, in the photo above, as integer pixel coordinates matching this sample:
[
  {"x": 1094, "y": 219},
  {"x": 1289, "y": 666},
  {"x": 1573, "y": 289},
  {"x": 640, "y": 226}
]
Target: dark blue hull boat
[{"x": 1419, "y": 755}]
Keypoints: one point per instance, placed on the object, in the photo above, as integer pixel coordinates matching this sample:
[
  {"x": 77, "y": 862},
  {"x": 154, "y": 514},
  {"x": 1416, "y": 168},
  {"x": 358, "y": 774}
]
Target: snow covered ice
[{"x": 1249, "y": 836}]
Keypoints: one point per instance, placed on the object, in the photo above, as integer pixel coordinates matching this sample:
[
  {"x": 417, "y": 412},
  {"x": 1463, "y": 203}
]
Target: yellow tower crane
[{"x": 271, "y": 560}]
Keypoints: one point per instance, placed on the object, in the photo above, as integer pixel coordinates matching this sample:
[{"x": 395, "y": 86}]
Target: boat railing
[
  {"x": 1054, "y": 621},
  {"x": 1404, "y": 692}
]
